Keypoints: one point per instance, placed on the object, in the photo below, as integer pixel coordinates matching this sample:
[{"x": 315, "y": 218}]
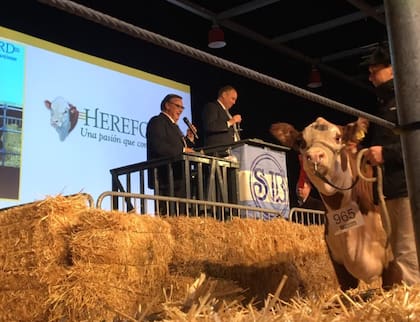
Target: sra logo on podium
[{"x": 267, "y": 185}]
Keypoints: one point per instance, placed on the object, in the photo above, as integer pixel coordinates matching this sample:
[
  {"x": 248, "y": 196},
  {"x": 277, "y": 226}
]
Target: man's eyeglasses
[{"x": 177, "y": 105}]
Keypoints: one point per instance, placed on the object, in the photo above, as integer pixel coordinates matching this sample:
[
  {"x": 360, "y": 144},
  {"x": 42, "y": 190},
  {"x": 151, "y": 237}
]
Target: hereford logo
[
  {"x": 63, "y": 116},
  {"x": 267, "y": 183}
]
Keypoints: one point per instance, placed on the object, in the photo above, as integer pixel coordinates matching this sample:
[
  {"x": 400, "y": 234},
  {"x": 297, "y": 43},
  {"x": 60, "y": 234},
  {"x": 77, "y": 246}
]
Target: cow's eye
[{"x": 338, "y": 138}]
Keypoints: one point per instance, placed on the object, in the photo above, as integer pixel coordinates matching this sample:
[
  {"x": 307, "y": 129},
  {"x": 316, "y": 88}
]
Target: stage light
[
  {"x": 216, "y": 37},
  {"x": 314, "y": 78}
]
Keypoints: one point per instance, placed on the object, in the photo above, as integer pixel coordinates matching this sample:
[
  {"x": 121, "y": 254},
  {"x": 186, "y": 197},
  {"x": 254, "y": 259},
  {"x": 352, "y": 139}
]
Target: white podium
[{"x": 262, "y": 176}]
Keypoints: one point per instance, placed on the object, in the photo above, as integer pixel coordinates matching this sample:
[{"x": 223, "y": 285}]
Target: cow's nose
[{"x": 315, "y": 156}]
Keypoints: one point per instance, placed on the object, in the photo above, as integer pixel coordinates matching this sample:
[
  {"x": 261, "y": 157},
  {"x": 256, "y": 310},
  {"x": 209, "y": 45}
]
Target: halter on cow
[{"x": 354, "y": 233}]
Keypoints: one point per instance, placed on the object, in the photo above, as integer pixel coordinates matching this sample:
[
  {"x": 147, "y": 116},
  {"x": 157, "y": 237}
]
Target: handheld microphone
[{"x": 191, "y": 127}]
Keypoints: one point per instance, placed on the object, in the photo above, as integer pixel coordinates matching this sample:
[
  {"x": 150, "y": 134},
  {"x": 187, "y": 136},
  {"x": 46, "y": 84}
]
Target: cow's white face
[
  {"x": 59, "y": 109},
  {"x": 325, "y": 149},
  {"x": 63, "y": 116},
  {"x": 321, "y": 150}
]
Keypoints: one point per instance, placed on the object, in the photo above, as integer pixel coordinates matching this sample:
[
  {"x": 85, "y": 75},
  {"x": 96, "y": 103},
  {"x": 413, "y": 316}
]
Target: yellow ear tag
[{"x": 360, "y": 135}]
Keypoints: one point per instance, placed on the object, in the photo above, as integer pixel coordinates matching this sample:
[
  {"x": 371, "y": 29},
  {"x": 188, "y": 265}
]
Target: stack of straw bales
[
  {"x": 34, "y": 251},
  {"x": 64, "y": 261},
  {"x": 120, "y": 261}
]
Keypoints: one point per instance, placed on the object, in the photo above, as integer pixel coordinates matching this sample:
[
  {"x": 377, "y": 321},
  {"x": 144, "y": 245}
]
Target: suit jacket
[
  {"x": 312, "y": 203},
  {"x": 164, "y": 140},
  {"x": 215, "y": 125},
  {"x": 315, "y": 204}
]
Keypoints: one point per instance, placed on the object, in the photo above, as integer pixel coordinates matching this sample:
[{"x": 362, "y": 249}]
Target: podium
[{"x": 262, "y": 176}]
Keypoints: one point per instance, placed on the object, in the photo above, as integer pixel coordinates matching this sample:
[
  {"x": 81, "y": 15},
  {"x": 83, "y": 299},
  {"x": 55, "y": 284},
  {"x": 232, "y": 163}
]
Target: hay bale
[
  {"x": 198, "y": 239},
  {"x": 24, "y": 305},
  {"x": 33, "y": 251},
  {"x": 106, "y": 237},
  {"x": 59, "y": 211},
  {"x": 120, "y": 261},
  {"x": 256, "y": 254},
  {"x": 276, "y": 240},
  {"x": 35, "y": 236},
  {"x": 92, "y": 292},
  {"x": 243, "y": 241}
]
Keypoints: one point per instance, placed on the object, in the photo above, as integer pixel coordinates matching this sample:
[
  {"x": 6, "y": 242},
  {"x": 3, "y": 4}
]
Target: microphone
[{"x": 191, "y": 127}]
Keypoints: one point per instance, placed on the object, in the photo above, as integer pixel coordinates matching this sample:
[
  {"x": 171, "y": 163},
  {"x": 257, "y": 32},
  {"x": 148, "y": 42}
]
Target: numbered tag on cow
[{"x": 344, "y": 219}]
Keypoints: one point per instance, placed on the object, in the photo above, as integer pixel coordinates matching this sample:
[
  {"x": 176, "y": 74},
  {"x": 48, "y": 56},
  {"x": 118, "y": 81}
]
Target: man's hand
[
  {"x": 190, "y": 134},
  {"x": 374, "y": 155},
  {"x": 237, "y": 118}
]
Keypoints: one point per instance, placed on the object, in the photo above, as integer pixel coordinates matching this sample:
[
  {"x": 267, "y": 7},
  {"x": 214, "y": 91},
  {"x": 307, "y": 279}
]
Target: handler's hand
[{"x": 374, "y": 155}]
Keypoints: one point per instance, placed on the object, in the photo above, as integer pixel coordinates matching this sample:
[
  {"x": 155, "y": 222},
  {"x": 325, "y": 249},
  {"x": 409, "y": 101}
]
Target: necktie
[{"x": 236, "y": 135}]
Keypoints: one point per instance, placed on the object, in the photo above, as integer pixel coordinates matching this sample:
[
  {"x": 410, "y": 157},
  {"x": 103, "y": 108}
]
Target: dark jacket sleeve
[
  {"x": 313, "y": 203},
  {"x": 392, "y": 155},
  {"x": 214, "y": 119},
  {"x": 189, "y": 143},
  {"x": 216, "y": 129},
  {"x": 394, "y": 181}
]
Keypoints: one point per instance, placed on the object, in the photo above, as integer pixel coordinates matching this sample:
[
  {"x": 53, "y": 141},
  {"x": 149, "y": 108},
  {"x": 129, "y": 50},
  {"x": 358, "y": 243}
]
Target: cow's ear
[
  {"x": 362, "y": 125},
  {"x": 286, "y": 134},
  {"x": 355, "y": 132},
  {"x": 47, "y": 104}
]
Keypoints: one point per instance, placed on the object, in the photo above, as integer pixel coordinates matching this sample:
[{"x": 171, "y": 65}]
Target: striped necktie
[{"x": 236, "y": 136}]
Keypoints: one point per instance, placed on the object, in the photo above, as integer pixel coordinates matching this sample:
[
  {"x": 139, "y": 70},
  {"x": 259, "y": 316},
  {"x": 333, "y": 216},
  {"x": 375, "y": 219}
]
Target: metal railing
[
  {"x": 149, "y": 204},
  {"x": 307, "y": 216},
  {"x": 205, "y": 178}
]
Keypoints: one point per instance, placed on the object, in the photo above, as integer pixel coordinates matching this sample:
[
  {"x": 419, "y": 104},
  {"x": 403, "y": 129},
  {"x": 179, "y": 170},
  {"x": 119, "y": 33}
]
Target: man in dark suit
[
  {"x": 306, "y": 200},
  {"x": 220, "y": 127},
  {"x": 165, "y": 140}
]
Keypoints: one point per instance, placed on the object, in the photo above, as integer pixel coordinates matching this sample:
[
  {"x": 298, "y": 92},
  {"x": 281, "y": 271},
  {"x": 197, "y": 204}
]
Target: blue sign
[{"x": 263, "y": 180}]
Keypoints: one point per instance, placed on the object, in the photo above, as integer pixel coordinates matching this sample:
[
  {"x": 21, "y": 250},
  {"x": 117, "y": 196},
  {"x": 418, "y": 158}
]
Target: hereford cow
[
  {"x": 63, "y": 117},
  {"x": 355, "y": 237}
]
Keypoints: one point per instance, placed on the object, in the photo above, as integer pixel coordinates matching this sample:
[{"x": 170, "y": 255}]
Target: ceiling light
[
  {"x": 216, "y": 37},
  {"x": 314, "y": 78}
]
